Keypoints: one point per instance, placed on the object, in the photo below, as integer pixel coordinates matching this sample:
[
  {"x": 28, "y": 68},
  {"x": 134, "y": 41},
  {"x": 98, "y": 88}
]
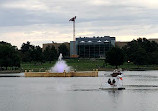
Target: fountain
[
  {"x": 60, "y": 66},
  {"x": 61, "y": 69}
]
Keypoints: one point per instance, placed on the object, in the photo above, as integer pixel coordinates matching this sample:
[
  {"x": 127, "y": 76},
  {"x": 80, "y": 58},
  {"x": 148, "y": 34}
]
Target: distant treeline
[
  {"x": 10, "y": 56},
  {"x": 139, "y": 52},
  {"x": 31, "y": 53}
]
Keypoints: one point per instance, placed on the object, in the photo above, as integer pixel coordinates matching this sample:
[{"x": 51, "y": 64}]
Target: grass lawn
[
  {"x": 85, "y": 65},
  {"x": 79, "y": 65}
]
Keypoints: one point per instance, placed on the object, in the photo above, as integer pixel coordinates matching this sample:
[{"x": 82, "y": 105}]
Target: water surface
[{"x": 19, "y": 93}]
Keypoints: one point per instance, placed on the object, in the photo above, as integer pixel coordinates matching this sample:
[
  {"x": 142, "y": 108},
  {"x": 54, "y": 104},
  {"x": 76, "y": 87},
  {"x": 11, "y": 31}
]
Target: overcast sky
[{"x": 43, "y": 21}]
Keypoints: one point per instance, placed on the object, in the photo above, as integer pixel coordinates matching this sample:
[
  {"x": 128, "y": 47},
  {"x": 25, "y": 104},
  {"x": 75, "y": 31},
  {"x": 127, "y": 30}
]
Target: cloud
[
  {"x": 26, "y": 5},
  {"x": 36, "y": 34},
  {"x": 41, "y": 21}
]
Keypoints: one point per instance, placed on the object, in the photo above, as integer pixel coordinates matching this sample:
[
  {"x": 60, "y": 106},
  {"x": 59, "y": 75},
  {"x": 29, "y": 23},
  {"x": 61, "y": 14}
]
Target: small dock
[{"x": 64, "y": 74}]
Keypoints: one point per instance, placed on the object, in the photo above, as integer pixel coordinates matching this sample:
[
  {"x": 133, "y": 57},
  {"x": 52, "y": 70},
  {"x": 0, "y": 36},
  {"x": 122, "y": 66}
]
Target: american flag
[{"x": 73, "y": 18}]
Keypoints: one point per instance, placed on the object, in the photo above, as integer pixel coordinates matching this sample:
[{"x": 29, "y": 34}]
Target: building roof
[{"x": 95, "y": 40}]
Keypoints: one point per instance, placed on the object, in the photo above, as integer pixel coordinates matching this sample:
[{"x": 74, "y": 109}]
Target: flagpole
[
  {"x": 74, "y": 46},
  {"x": 74, "y": 37},
  {"x": 74, "y": 30}
]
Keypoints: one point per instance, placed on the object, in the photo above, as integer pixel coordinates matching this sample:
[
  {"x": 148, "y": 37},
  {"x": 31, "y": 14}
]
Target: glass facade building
[{"x": 94, "y": 47}]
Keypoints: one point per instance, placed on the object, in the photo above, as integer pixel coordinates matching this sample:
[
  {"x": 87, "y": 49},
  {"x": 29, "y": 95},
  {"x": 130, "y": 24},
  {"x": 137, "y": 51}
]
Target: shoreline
[
  {"x": 10, "y": 71},
  {"x": 99, "y": 69},
  {"x": 80, "y": 65}
]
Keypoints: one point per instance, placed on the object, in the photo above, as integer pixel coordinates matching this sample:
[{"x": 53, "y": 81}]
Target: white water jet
[{"x": 60, "y": 66}]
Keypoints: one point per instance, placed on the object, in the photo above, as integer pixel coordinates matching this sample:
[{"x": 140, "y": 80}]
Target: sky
[{"x": 44, "y": 21}]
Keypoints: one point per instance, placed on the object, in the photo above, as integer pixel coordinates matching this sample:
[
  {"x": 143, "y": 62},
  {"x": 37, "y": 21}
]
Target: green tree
[
  {"x": 50, "y": 53},
  {"x": 37, "y": 54},
  {"x": 141, "y": 51},
  {"x": 64, "y": 50},
  {"x": 115, "y": 57},
  {"x": 9, "y": 55},
  {"x": 26, "y": 50},
  {"x": 140, "y": 56},
  {"x": 31, "y": 53},
  {"x": 153, "y": 57}
]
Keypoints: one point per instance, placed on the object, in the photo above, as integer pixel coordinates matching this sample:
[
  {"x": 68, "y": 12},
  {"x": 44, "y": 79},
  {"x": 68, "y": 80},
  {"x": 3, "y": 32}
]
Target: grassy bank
[
  {"x": 79, "y": 65},
  {"x": 86, "y": 65}
]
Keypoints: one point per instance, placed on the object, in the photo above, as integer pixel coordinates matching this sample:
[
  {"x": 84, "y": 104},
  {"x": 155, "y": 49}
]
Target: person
[{"x": 109, "y": 81}]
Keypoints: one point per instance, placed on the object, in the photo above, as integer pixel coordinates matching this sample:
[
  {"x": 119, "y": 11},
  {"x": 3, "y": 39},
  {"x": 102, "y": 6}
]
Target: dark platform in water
[
  {"x": 115, "y": 74},
  {"x": 121, "y": 88},
  {"x": 113, "y": 88}
]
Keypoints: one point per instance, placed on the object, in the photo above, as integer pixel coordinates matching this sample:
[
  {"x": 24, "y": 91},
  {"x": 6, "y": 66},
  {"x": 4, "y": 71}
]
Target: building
[
  {"x": 56, "y": 45},
  {"x": 154, "y": 39},
  {"x": 120, "y": 44},
  {"x": 91, "y": 47}
]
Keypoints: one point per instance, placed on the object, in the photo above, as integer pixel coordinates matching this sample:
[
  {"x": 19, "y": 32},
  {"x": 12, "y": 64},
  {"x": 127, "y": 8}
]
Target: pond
[{"x": 19, "y": 93}]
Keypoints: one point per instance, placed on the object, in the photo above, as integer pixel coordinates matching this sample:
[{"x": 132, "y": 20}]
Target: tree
[
  {"x": 37, "y": 54},
  {"x": 153, "y": 57},
  {"x": 141, "y": 51},
  {"x": 31, "y": 53},
  {"x": 64, "y": 50},
  {"x": 26, "y": 50},
  {"x": 50, "y": 53},
  {"x": 9, "y": 55},
  {"x": 115, "y": 57},
  {"x": 140, "y": 56}
]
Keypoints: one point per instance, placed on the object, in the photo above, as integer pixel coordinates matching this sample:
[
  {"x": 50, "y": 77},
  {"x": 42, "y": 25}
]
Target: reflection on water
[
  {"x": 12, "y": 75},
  {"x": 19, "y": 93}
]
